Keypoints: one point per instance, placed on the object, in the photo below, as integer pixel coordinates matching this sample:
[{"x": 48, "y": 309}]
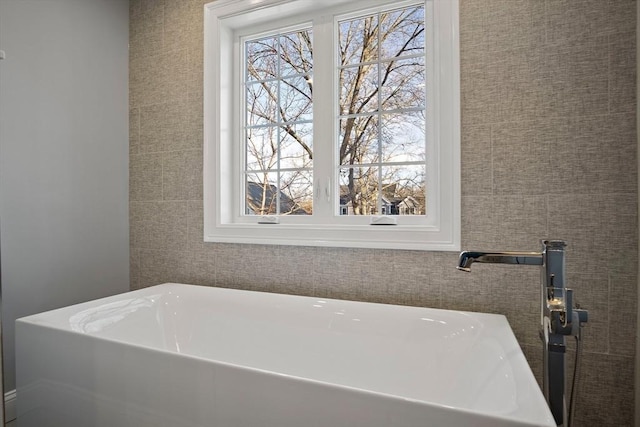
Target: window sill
[{"x": 402, "y": 237}]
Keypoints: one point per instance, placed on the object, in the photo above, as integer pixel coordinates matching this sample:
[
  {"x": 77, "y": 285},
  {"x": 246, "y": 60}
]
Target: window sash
[{"x": 279, "y": 167}]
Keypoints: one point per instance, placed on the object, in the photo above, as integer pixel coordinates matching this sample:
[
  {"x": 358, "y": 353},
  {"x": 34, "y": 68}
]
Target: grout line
[
  {"x": 608, "y": 312},
  {"x": 609, "y": 59},
  {"x": 546, "y": 119},
  {"x": 168, "y": 151},
  {"x": 164, "y": 28}
]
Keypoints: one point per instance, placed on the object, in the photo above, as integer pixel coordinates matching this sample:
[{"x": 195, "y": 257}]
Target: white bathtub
[{"x": 180, "y": 355}]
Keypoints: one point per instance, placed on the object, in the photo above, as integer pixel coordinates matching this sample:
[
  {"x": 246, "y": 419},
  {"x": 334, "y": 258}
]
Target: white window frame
[{"x": 225, "y": 22}]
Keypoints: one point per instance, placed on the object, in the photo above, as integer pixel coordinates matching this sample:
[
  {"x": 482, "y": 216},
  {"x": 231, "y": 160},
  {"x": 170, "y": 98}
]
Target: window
[{"x": 325, "y": 120}]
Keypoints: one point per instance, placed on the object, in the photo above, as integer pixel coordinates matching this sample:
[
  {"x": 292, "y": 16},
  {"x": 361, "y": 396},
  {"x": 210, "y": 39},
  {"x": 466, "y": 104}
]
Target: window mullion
[
  {"x": 379, "y": 114},
  {"x": 324, "y": 107}
]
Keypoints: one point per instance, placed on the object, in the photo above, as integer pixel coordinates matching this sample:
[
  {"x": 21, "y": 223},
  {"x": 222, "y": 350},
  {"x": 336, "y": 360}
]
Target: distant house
[
  {"x": 411, "y": 206},
  {"x": 263, "y": 199},
  {"x": 392, "y": 204}
]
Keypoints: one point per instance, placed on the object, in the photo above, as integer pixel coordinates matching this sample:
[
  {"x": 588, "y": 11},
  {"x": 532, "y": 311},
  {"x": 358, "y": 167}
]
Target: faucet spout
[{"x": 525, "y": 258}]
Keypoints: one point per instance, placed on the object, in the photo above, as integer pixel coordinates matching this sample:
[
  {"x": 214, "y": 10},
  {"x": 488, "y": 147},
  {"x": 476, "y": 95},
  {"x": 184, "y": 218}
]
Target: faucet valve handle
[
  {"x": 560, "y": 309},
  {"x": 568, "y": 317},
  {"x": 580, "y": 317}
]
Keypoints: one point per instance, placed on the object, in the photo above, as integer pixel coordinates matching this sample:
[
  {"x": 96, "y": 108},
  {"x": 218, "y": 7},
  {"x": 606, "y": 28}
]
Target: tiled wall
[{"x": 548, "y": 150}]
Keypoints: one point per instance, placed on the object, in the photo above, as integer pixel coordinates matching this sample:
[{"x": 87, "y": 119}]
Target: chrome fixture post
[{"x": 558, "y": 316}]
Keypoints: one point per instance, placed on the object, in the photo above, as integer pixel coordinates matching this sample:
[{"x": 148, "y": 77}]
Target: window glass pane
[
  {"x": 262, "y": 59},
  {"x": 403, "y": 189},
  {"x": 261, "y": 148},
  {"x": 402, "y": 32},
  {"x": 403, "y": 137},
  {"x": 358, "y": 40},
  {"x": 296, "y": 197},
  {"x": 295, "y": 99},
  {"x": 359, "y": 190},
  {"x": 296, "y": 53},
  {"x": 261, "y": 194},
  {"x": 358, "y": 89},
  {"x": 404, "y": 84},
  {"x": 296, "y": 143},
  {"x": 359, "y": 140},
  {"x": 262, "y": 103}
]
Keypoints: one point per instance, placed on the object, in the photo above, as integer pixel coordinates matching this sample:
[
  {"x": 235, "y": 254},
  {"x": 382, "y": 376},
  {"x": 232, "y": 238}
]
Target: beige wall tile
[
  {"x": 183, "y": 23},
  {"x": 463, "y": 291},
  {"x": 134, "y": 268},
  {"x": 145, "y": 30},
  {"x": 499, "y": 25},
  {"x": 600, "y": 231},
  {"x": 195, "y": 225},
  {"x": 195, "y": 71},
  {"x": 519, "y": 221},
  {"x": 513, "y": 291},
  {"x": 532, "y": 353},
  {"x": 622, "y": 16},
  {"x": 172, "y": 125},
  {"x": 154, "y": 126},
  {"x": 606, "y": 391},
  {"x": 164, "y": 266},
  {"x": 409, "y": 282},
  {"x": 292, "y": 270},
  {"x": 158, "y": 78},
  {"x": 244, "y": 266},
  {"x": 577, "y": 79},
  {"x": 478, "y": 225},
  {"x": 622, "y": 313},
  {"x": 182, "y": 175},
  {"x": 502, "y": 86},
  {"x": 145, "y": 177},
  {"x": 504, "y": 222},
  {"x": 142, "y": 7},
  {"x": 134, "y": 130},
  {"x": 476, "y": 161},
  {"x": 203, "y": 269},
  {"x": 145, "y": 80},
  {"x": 522, "y": 156},
  {"x": 622, "y": 73},
  {"x": 342, "y": 273},
  {"x": 441, "y": 272},
  {"x": 158, "y": 225},
  {"x": 569, "y": 22},
  {"x": 594, "y": 155}
]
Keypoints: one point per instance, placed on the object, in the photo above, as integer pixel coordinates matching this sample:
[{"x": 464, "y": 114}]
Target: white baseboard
[{"x": 10, "y": 406}]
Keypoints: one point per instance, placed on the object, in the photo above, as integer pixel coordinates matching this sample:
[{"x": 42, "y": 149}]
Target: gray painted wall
[
  {"x": 63, "y": 156},
  {"x": 549, "y": 149}
]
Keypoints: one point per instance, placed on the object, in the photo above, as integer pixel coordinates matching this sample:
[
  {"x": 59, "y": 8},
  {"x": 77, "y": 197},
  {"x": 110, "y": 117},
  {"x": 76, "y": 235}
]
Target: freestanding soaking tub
[{"x": 181, "y": 355}]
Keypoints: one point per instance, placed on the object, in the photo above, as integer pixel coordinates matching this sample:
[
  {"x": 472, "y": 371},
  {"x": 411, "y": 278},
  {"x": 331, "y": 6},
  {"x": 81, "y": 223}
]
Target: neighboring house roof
[{"x": 256, "y": 191}]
